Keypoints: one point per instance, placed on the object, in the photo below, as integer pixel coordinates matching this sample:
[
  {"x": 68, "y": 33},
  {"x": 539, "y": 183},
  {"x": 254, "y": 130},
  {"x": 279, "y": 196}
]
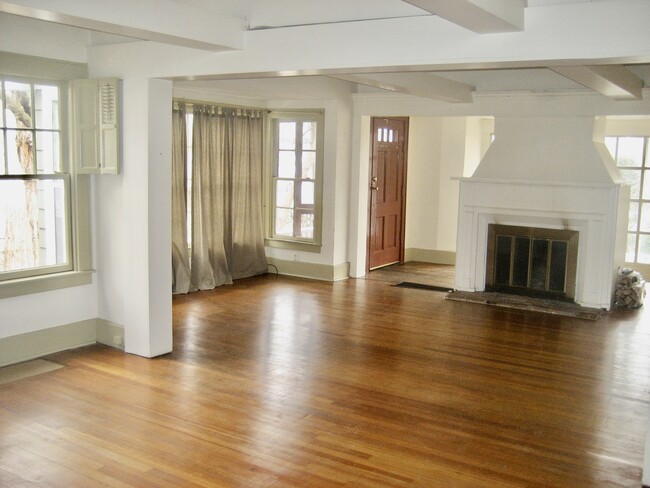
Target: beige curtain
[
  {"x": 180, "y": 254},
  {"x": 247, "y": 256},
  {"x": 227, "y": 233}
]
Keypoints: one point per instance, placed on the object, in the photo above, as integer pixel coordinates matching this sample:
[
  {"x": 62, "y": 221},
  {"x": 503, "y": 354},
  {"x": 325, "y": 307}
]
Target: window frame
[
  {"x": 273, "y": 239},
  {"x": 78, "y": 267},
  {"x": 644, "y": 170}
]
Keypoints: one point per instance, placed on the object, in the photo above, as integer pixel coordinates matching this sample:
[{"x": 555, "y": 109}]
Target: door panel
[{"x": 387, "y": 191}]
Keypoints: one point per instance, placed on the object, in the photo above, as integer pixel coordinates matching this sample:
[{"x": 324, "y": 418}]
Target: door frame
[{"x": 368, "y": 182}]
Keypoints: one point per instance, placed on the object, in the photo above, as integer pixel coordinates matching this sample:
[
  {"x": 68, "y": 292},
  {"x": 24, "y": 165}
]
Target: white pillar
[{"x": 146, "y": 216}]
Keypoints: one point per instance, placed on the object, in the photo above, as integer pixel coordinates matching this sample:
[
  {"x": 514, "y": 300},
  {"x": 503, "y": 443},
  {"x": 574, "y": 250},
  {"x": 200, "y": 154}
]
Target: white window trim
[
  {"x": 645, "y": 167},
  {"x": 80, "y": 270},
  {"x": 286, "y": 242}
]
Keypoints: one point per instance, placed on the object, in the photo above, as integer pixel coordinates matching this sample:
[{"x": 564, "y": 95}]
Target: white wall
[
  {"x": 454, "y": 133},
  {"x": 335, "y": 182},
  {"x": 40, "y": 311},
  {"x": 423, "y": 182}
]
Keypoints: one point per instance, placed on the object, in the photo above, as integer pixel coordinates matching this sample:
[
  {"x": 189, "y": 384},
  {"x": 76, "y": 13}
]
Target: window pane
[
  {"x": 645, "y": 217},
  {"x": 309, "y": 135},
  {"x": 632, "y": 178},
  {"x": 47, "y": 152},
  {"x": 2, "y": 105},
  {"x": 610, "y": 142},
  {"x": 287, "y": 164},
  {"x": 20, "y": 152},
  {"x": 646, "y": 183},
  {"x": 633, "y": 217},
  {"x": 287, "y": 135},
  {"x": 32, "y": 224},
  {"x": 307, "y": 193},
  {"x": 18, "y": 98},
  {"x": 630, "y": 151},
  {"x": 644, "y": 249},
  {"x": 284, "y": 222},
  {"x": 309, "y": 165},
  {"x": 307, "y": 225},
  {"x": 284, "y": 193},
  {"x": 2, "y": 152},
  {"x": 630, "y": 251},
  {"x": 47, "y": 106}
]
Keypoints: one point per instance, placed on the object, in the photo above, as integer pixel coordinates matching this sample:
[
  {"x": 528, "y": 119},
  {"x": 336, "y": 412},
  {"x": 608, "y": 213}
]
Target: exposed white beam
[
  {"x": 481, "y": 16},
  {"x": 151, "y": 20},
  {"x": 614, "y": 81},
  {"x": 424, "y": 85}
]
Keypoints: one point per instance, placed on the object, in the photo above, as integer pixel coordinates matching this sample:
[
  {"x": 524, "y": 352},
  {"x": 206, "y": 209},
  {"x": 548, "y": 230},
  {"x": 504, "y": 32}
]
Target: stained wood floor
[{"x": 279, "y": 382}]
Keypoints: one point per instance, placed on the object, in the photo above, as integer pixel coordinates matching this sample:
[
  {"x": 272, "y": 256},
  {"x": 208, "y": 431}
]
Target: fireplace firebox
[{"x": 532, "y": 261}]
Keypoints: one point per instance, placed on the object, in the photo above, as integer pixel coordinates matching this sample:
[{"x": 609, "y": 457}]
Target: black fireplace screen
[{"x": 532, "y": 261}]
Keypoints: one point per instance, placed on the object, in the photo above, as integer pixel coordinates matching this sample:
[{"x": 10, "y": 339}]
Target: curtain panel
[
  {"x": 180, "y": 254},
  {"x": 227, "y": 225}
]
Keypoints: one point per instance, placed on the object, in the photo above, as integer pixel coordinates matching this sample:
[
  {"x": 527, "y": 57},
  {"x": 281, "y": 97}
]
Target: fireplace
[
  {"x": 547, "y": 192},
  {"x": 532, "y": 261}
]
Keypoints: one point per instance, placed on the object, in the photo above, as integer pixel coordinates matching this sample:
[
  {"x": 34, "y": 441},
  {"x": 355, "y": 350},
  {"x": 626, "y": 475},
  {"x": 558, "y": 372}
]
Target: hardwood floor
[
  {"x": 279, "y": 382},
  {"x": 416, "y": 272}
]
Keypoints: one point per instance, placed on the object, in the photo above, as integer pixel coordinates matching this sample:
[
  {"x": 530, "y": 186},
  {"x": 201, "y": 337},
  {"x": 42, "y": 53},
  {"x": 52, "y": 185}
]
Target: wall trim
[
  {"x": 110, "y": 333},
  {"x": 430, "y": 256},
  {"x": 314, "y": 271},
  {"x": 23, "y": 347},
  {"x": 13, "y": 64}
]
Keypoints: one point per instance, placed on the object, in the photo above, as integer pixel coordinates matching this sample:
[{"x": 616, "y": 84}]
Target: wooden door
[{"x": 387, "y": 191}]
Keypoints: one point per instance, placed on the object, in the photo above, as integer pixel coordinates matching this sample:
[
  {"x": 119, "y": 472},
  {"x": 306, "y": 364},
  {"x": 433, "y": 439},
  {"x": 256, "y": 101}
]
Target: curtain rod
[{"x": 190, "y": 101}]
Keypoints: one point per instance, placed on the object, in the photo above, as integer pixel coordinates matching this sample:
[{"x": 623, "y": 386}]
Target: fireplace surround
[{"x": 554, "y": 174}]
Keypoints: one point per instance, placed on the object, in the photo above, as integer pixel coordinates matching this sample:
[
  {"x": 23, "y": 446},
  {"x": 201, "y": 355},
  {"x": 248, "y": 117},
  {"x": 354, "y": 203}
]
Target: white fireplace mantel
[{"x": 597, "y": 211}]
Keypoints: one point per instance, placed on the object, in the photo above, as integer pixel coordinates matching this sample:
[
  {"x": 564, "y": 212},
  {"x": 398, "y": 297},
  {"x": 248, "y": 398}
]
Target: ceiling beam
[
  {"x": 613, "y": 81},
  {"x": 424, "y": 85},
  {"x": 161, "y": 21},
  {"x": 480, "y": 16}
]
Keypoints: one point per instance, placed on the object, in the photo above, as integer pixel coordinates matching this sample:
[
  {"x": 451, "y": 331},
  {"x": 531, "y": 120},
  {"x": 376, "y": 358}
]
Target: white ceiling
[
  {"x": 275, "y": 14},
  {"x": 283, "y": 13},
  {"x": 259, "y": 14}
]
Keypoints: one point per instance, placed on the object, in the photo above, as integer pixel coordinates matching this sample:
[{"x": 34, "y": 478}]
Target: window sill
[
  {"x": 292, "y": 245},
  {"x": 43, "y": 283}
]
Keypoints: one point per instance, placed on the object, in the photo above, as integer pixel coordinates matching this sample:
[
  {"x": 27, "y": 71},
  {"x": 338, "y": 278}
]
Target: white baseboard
[
  {"x": 429, "y": 256},
  {"x": 313, "y": 271},
  {"x": 110, "y": 333},
  {"x": 23, "y": 347}
]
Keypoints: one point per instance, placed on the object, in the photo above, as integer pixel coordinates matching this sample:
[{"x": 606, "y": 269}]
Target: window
[
  {"x": 632, "y": 158},
  {"x": 296, "y": 181},
  {"x": 34, "y": 185}
]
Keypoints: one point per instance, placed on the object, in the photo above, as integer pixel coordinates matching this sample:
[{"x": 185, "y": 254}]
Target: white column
[{"x": 135, "y": 286}]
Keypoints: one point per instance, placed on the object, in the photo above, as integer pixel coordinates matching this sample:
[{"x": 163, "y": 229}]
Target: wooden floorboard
[{"x": 280, "y": 382}]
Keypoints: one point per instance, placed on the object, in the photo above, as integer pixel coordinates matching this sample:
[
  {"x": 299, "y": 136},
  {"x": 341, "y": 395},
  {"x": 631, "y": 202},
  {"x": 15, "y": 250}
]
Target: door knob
[{"x": 373, "y": 183}]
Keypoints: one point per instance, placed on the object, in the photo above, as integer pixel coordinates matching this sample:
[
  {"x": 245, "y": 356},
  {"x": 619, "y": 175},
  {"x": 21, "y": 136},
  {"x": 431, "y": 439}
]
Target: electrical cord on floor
[{"x": 275, "y": 268}]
